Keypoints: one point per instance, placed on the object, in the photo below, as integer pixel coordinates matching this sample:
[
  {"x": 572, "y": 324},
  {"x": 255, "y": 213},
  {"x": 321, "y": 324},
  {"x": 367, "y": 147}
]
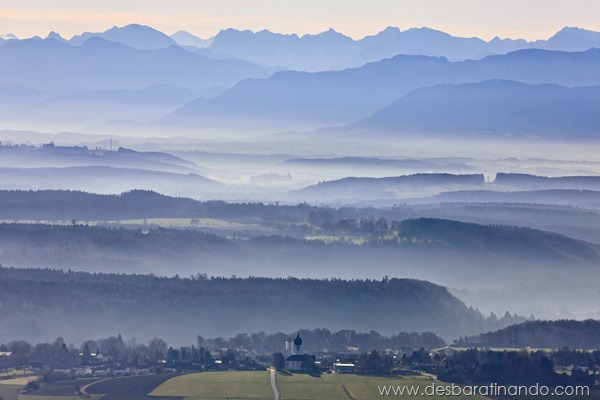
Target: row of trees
[
  {"x": 319, "y": 340},
  {"x": 54, "y": 299},
  {"x": 543, "y": 334},
  {"x": 508, "y": 367}
]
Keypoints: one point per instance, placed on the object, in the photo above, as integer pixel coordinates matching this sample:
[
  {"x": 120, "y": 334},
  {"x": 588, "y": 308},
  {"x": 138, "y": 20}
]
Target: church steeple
[{"x": 297, "y": 343}]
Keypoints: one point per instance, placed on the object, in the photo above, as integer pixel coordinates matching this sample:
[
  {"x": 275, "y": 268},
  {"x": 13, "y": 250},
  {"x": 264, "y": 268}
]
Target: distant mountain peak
[
  {"x": 56, "y": 36},
  {"x": 138, "y": 36},
  {"x": 133, "y": 27},
  {"x": 97, "y": 42},
  {"x": 573, "y": 29},
  {"x": 573, "y": 39},
  {"x": 8, "y": 36},
  {"x": 185, "y": 38}
]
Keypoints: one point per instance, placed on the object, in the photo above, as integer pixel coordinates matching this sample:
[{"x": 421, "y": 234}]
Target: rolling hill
[
  {"x": 496, "y": 106},
  {"x": 295, "y": 100},
  {"x": 545, "y": 334},
  {"x": 134, "y": 35},
  {"x": 356, "y": 189},
  {"x": 332, "y": 50},
  {"x": 99, "y": 64},
  {"x": 82, "y": 305}
]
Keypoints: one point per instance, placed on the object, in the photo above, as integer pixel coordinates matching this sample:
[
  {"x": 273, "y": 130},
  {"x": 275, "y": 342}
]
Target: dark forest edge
[
  {"x": 54, "y": 301},
  {"x": 541, "y": 335}
]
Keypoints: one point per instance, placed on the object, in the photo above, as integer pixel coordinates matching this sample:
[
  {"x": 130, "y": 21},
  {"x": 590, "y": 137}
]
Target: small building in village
[{"x": 298, "y": 362}]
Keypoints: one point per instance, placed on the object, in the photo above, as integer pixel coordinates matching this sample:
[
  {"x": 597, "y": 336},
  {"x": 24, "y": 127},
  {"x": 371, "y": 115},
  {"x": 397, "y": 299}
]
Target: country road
[{"x": 274, "y": 388}]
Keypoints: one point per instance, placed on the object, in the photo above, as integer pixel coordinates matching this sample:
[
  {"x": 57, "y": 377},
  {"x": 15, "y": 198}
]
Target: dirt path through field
[
  {"x": 347, "y": 392},
  {"x": 274, "y": 387}
]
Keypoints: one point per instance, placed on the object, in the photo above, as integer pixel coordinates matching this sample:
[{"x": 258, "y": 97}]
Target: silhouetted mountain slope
[
  {"x": 103, "y": 179},
  {"x": 334, "y": 51},
  {"x": 425, "y": 41},
  {"x": 158, "y": 94},
  {"x": 320, "y": 52},
  {"x": 499, "y": 239},
  {"x": 358, "y": 161},
  {"x": 545, "y": 334},
  {"x": 184, "y": 38},
  {"x": 360, "y": 189},
  {"x": 221, "y": 306},
  {"x": 495, "y": 259},
  {"x": 137, "y": 204},
  {"x": 493, "y": 106},
  {"x": 50, "y": 155},
  {"x": 101, "y": 64},
  {"x": 573, "y": 39},
  {"x": 137, "y": 36},
  {"x": 294, "y": 100},
  {"x": 579, "y": 198},
  {"x": 543, "y": 182},
  {"x": 7, "y": 37}
]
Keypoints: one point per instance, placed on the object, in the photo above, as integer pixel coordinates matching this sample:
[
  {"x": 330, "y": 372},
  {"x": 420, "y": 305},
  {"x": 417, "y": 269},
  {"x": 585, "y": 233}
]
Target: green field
[
  {"x": 162, "y": 222},
  {"x": 18, "y": 381},
  {"x": 10, "y": 392},
  {"x": 218, "y": 385},
  {"x": 14, "y": 372},
  {"x": 256, "y": 385},
  {"x": 347, "y": 387},
  {"x": 35, "y": 397},
  {"x": 183, "y": 223}
]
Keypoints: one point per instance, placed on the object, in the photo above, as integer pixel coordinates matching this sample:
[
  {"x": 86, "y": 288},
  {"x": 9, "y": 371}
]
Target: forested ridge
[
  {"x": 54, "y": 302},
  {"x": 544, "y": 334}
]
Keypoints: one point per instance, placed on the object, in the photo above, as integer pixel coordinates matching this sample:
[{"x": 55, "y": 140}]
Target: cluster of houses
[
  {"x": 96, "y": 364},
  {"x": 298, "y": 362}
]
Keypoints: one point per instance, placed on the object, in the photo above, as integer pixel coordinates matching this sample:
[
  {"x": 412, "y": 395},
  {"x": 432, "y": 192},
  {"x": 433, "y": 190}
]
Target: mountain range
[
  {"x": 137, "y": 36},
  {"x": 451, "y": 188},
  {"x": 496, "y": 106},
  {"x": 291, "y": 100},
  {"x": 102, "y": 64},
  {"x": 331, "y": 50},
  {"x": 132, "y": 76}
]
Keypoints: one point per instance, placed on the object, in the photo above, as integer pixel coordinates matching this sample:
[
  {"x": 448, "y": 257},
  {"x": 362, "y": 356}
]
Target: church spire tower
[{"x": 297, "y": 344}]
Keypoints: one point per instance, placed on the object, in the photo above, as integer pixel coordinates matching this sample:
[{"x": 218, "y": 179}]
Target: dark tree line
[
  {"x": 507, "y": 368},
  {"x": 543, "y": 334},
  {"x": 323, "y": 340}
]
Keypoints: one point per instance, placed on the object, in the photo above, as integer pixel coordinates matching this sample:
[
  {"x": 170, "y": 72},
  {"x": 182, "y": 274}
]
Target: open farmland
[
  {"x": 9, "y": 392},
  {"x": 348, "y": 387},
  {"x": 218, "y": 385},
  {"x": 255, "y": 385},
  {"x": 131, "y": 387}
]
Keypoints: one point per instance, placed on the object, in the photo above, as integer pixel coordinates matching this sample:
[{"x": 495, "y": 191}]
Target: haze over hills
[
  {"x": 545, "y": 334},
  {"x": 83, "y": 83},
  {"x": 101, "y": 64},
  {"x": 306, "y": 53},
  {"x": 296, "y": 100},
  {"x": 187, "y": 39},
  {"x": 137, "y": 36},
  {"x": 361, "y": 189},
  {"x": 428, "y": 188},
  {"x": 63, "y": 87},
  {"x": 55, "y": 300},
  {"x": 50, "y": 155},
  {"x": 469, "y": 164},
  {"x": 501, "y": 107}
]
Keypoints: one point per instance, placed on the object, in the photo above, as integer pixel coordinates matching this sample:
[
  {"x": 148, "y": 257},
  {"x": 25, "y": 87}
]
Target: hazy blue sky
[{"x": 531, "y": 19}]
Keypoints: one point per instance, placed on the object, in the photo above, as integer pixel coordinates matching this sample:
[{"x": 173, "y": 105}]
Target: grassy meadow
[
  {"x": 347, "y": 387},
  {"x": 218, "y": 385}
]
